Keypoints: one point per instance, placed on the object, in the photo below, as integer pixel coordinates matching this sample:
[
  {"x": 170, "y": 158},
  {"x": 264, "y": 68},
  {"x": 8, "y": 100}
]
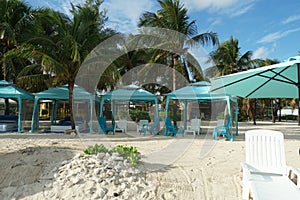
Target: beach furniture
[
  {"x": 65, "y": 124},
  {"x": 170, "y": 129},
  {"x": 8, "y": 123},
  {"x": 154, "y": 128},
  {"x": 224, "y": 130},
  {"x": 265, "y": 173},
  {"x": 103, "y": 126},
  {"x": 121, "y": 125},
  {"x": 194, "y": 128},
  {"x": 142, "y": 126}
]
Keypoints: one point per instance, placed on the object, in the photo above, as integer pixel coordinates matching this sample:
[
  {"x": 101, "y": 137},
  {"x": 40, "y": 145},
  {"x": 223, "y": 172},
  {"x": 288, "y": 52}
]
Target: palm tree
[
  {"x": 14, "y": 15},
  {"x": 228, "y": 59},
  {"x": 172, "y": 15},
  {"x": 60, "y": 44}
]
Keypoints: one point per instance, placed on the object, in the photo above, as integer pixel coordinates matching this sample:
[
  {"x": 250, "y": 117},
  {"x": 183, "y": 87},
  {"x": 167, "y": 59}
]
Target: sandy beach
[{"x": 176, "y": 168}]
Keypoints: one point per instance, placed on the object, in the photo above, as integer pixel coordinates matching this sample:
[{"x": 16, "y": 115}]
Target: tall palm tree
[
  {"x": 172, "y": 15},
  {"x": 14, "y": 15},
  {"x": 228, "y": 58},
  {"x": 60, "y": 43}
]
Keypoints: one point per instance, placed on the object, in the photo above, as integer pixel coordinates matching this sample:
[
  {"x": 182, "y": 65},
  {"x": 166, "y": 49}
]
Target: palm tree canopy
[{"x": 228, "y": 59}]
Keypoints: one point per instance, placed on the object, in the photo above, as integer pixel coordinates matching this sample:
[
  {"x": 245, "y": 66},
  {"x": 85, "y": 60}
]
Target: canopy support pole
[
  {"x": 19, "y": 114},
  {"x": 91, "y": 115},
  {"x": 53, "y": 113},
  {"x": 185, "y": 114},
  {"x": 34, "y": 113},
  {"x": 167, "y": 106}
]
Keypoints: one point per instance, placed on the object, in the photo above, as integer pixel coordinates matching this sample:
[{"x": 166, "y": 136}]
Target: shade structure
[
  {"x": 62, "y": 94},
  {"x": 200, "y": 92},
  {"x": 281, "y": 80},
  {"x": 10, "y": 91},
  {"x": 129, "y": 93}
]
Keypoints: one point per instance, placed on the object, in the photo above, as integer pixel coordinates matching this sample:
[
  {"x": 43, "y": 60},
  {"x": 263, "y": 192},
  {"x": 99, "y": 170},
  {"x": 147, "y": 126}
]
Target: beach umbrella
[{"x": 280, "y": 80}]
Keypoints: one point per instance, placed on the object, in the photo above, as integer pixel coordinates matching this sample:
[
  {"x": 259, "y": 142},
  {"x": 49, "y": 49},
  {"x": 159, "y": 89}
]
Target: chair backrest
[
  {"x": 143, "y": 122},
  {"x": 265, "y": 151},
  {"x": 122, "y": 124},
  {"x": 195, "y": 124},
  {"x": 169, "y": 124},
  {"x": 102, "y": 123},
  {"x": 220, "y": 122}
]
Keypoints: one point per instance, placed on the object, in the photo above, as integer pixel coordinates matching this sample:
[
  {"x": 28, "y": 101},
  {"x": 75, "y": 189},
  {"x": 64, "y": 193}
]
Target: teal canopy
[
  {"x": 200, "y": 92},
  {"x": 61, "y": 94},
  {"x": 281, "y": 80},
  {"x": 129, "y": 93},
  {"x": 10, "y": 91}
]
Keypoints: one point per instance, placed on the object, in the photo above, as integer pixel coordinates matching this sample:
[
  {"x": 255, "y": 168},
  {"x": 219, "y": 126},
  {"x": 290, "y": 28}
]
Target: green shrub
[
  {"x": 129, "y": 153},
  {"x": 96, "y": 149},
  {"x": 139, "y": 114}
]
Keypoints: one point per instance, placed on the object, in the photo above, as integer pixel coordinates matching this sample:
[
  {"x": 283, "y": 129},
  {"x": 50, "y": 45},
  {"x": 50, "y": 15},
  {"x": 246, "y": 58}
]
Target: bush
[
  {"x": 139, "y": 114},
  {"x": 96, "y": 149},
  {"x": 129, "y": 153}
]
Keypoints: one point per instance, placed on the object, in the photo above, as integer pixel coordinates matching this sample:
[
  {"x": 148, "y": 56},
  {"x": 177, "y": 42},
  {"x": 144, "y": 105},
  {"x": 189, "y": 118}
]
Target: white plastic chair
[
  {"x": 121, "y": 125},
  {"x": 195, "y": 127},
  {"x": 142, "y": 126},
  {"x": 265, "y": 173}
]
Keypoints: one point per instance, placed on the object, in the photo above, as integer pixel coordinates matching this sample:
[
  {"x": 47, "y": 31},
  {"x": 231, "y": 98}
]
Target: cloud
[
  {"x": 291, "y": 19},
  {"x": 260, "y": 53},
  {"x": 232, "y": 8},
  {"x": 277, "y": 35},
  {"x": 125, "y": 14}
]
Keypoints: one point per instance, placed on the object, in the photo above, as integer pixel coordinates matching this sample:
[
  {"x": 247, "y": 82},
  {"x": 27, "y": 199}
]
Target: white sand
[{"x": 180, "y": 168}]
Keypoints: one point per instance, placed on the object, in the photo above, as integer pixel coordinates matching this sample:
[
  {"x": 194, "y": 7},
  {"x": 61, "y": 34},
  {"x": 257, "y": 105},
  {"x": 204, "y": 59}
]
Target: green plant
[
  {"x": 129, "y": 153},
  {"x": 96, "y": 149},
  {"x": 139, "y": 114}
]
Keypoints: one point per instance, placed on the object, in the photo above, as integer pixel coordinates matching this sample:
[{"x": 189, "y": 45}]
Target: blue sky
[{"x": 271, "y": 29}]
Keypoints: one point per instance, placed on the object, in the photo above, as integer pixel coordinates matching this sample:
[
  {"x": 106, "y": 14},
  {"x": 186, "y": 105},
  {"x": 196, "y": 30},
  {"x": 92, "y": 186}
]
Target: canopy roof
[
  {"x": 198, "y": 91},
  {"x": 130, "y": 93},
  {"x": 8, "y": 90},
  {"x": 275, "y": 81},
  {"x": 62, "y": 93}
]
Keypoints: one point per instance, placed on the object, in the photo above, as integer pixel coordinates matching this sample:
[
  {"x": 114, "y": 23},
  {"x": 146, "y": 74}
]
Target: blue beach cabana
[
  {"x": 61, "y": 94},
  {"x": 129, "y": 93},
  {"x": 10, "y": 91},
  {"x": 200, "y": 92}
]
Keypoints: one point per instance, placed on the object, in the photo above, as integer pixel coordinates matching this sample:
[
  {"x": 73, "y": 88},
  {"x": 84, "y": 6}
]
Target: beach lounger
[
  {"x": 265, "y": 173},
  {"x": 224, "y": 130},
  {"x": 103, "y": 126},
  {"x": 170, "y": 129},
  {"x": 154, "y": 128},
  {"x": 121, "y": 125},
  {"x": 195, "y": 127},
  {"x": 142, "y": 126}
]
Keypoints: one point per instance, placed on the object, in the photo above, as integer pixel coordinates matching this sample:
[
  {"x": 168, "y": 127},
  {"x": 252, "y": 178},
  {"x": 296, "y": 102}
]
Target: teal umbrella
[{"x": 275, "y": 81}]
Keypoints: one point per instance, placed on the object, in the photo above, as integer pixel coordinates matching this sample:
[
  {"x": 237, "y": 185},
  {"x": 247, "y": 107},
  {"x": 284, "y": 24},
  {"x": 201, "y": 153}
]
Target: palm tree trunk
[
  {"x": 254, "y": 111},
  {"x": 71, "y": 89}
]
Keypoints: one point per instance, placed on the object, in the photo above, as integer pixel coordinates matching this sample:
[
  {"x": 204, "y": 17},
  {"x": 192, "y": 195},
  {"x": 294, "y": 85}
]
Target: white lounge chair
[
  {"x": 265, "y": 173},
  {"x": 195, "y": 127},
  {"x": 121, "y": 125}
]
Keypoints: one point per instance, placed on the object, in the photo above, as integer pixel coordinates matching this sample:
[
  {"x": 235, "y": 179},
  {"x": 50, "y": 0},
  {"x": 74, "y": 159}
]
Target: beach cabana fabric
[
  {"x": 200, "y": 92},
  {"x": 129, "y": 93},
  {"x": 275, "y": 81},
  {"x": 61, "y": 94},
  {"x": 10, "y": 91}
]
